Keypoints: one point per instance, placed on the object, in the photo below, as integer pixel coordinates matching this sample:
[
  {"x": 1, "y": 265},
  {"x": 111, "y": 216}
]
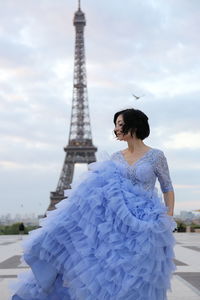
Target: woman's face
[
  {"x": 118, "y": 130},
  {"x": 119, "y": 127}
]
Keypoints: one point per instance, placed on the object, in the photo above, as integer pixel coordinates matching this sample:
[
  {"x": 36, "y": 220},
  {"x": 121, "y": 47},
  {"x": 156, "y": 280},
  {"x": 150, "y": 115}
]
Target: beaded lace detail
[{"x": 147, "y": 169}]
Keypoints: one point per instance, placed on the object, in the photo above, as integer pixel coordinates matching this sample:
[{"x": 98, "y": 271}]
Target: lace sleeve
[{"x": 162, "y": 172}]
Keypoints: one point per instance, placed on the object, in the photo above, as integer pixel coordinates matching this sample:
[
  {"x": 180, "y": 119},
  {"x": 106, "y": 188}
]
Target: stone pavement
[{"x": 185, "y": 282}]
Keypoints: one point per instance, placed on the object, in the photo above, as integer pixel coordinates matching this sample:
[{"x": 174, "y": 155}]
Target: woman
[{"x": 112, "y": 238}]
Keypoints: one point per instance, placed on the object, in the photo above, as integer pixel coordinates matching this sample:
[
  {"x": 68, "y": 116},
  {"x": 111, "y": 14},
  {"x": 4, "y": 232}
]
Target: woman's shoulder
[
  {"x": 157, "y": 156},
  {"x": 154, "y": 153},
  {"x": 152, "y": 150},
  {"x": 115, "y": 155},
  {"x": 157, "y": 151}
]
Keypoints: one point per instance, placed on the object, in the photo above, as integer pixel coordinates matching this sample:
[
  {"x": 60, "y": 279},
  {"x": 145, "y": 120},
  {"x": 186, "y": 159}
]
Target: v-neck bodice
[
  {"x": 138, "y": 160},
  {"x": 147, "y": 169}
]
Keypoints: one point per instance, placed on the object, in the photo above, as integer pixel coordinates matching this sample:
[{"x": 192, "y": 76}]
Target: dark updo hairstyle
[{"x": 135, "y": 121}]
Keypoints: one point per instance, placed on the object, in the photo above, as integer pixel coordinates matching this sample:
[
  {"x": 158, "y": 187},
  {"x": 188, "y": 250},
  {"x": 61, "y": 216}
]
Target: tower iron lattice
[{"x": 80, "y": 148}]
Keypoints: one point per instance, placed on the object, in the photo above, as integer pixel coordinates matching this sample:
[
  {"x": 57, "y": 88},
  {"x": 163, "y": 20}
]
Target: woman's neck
[{"x": 136, "y": 145}]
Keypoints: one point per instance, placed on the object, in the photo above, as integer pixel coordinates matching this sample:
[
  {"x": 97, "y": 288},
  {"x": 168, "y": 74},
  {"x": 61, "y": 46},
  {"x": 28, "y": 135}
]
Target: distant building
[{"x": 187, "y": 215}]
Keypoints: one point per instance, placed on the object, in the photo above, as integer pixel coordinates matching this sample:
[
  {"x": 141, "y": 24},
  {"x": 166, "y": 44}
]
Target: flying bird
[{"x": 137, "y": 97}]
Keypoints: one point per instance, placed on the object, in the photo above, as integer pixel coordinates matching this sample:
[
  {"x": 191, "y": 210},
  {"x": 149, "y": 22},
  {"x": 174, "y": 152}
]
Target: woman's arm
[
  {"x": 162, "y": 172},
  {"x": 169, "y": 202}
]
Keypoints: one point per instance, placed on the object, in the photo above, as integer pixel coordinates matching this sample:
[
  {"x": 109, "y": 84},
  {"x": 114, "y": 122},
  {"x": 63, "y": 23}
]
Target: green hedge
[
  {"x": 181, "y": 226},
  {"x": 14, "y": 229},
  {"x": 194, "y": 226}
]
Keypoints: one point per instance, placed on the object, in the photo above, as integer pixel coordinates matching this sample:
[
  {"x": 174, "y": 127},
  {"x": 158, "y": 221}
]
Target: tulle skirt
[{"x": 109, "y": 240}]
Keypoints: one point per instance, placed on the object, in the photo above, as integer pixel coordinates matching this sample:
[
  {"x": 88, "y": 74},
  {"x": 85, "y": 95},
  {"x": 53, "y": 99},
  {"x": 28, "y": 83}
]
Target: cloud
[
  {"x": 185, "y": 140},
  {"x": 187, "y": 186},
  {"x": 185, "y": 206}
]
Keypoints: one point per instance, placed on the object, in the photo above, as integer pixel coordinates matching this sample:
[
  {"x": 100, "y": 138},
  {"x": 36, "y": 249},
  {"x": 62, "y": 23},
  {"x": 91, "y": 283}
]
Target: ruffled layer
[{"x": 108, "y": 240}]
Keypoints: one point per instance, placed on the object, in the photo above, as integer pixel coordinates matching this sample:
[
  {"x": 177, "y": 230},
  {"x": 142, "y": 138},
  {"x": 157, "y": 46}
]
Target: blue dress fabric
[{"x": 111, "y": 239}]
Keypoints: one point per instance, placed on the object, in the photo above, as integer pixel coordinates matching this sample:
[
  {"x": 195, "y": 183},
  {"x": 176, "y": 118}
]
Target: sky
[{"x": 148, "y": 48}]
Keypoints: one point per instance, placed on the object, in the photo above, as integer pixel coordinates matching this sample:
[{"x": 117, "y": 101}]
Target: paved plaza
[{"x": 185, "y": 282}]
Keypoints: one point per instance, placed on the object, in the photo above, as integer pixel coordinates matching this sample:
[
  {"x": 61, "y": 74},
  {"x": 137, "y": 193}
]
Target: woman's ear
[{"x": 133, "y": 132}]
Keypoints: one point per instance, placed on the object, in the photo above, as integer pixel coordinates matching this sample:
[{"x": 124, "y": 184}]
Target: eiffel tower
[{"x": 80, "y": 148}]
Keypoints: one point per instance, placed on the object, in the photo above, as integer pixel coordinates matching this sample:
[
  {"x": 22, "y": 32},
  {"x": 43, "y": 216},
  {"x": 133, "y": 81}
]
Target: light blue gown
[{"x": 111, "y": 239}]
